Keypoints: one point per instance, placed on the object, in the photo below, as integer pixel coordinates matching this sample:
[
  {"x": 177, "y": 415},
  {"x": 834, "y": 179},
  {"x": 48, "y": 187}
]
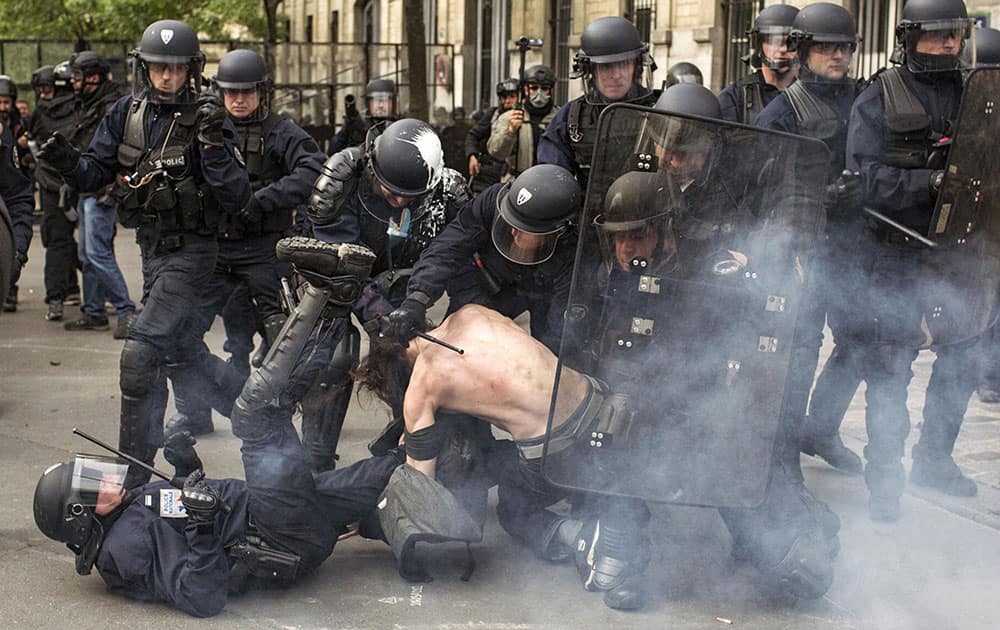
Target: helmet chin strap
[{"x": 779, "y": 66}]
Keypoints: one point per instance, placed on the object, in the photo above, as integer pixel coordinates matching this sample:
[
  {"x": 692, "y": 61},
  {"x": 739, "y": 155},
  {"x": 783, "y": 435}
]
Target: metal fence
[
  {"x": 310, "y": 79},
  {"x": 876, "y": 21}
]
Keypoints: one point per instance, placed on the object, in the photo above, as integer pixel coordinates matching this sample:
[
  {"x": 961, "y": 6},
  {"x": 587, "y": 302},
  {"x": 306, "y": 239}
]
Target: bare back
[{"x": 505, "y": 376}]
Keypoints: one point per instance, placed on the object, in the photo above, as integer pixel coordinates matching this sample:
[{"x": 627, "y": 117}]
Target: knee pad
[
  {"x": 139, "y": 363},
  {"x": 806, "y": 571}
]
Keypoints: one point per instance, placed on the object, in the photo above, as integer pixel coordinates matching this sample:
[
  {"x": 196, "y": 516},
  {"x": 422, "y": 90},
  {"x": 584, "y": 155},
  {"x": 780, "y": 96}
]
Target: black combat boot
[
  {"x": 942, "y": 473},
  {"x": 832, "y": 449}
]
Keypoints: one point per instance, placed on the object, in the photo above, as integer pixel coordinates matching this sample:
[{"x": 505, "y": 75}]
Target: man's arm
[
  {"x": 502, "y": 140},
  {"x": 191, "y": 571},
  {"x": 99, "y": 163},
  {"x": 223, "y": 173},
  {"x": 301, "y": 160},
  {"x": 17, "y": 194},
  {"x": 423, "y": 440},
  {"x": 553, "y": 146}
]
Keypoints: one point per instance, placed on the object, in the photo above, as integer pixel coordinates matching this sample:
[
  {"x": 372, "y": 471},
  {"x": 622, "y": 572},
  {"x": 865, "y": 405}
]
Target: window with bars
[
  {"x": 739, "y": 16},
  {"x": 643, "y": 13}
]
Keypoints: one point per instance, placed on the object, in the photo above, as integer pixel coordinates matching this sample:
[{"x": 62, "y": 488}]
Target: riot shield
[
  {"x": 965, "y": 267},
  {"x": 693, "y": 252}
]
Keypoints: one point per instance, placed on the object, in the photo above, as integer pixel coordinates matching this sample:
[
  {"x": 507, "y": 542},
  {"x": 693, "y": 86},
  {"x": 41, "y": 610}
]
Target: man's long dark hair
[{"x": 385, "y": 372}]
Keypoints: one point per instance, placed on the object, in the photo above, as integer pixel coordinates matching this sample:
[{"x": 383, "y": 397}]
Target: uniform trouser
[
  {"x": 102, "y": 277},
  {"x": 951, "y": 385},
  {"x": 162, "y": 338},
  {"x": 290, "y": 508},
  {"x": 895, "y": 303},
  {"x": 60, "y": 248},
  {"x": 252, "y": 263}
]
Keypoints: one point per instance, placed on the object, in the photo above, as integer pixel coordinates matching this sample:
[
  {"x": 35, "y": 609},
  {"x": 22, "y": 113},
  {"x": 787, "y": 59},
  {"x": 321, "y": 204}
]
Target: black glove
[
  {"x": 403, "y": 323},
  {"x": 251, "y": 213},
  {"x": 937, "y": 178},
  {"x": 15, "y": 271},
  {"x": 844, "y": 196},
  {"x": 210, "y": 116},
  {"x": 201, "y": 501},
  {"x": 178, "y": 449},
  {"x": 58, "y": 153}
]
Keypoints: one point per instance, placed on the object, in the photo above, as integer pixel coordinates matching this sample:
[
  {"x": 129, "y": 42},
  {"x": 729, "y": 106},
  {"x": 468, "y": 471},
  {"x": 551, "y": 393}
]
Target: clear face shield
[
  {"x": 381, "y": 105},
  {"x": 940, "y": 45},
  {"x": 166, "y": 79},
  {"x": 685, "y": 149},
  {"x": 519, "y": 246},
  {"x": 245, "y": 102},
  {"x": 97, "y": 483},
  {"x": 772, "y": 51},
  {"x": 635, "y": 245},
  {"x": 609, "y": 79}
]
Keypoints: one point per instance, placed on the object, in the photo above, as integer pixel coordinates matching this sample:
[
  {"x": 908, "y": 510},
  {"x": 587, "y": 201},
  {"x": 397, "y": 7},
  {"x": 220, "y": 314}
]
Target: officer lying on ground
[{"x": 193, "y": 547}]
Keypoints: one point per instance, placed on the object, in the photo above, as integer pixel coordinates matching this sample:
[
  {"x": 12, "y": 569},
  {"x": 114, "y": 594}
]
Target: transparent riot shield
[
  {"x": 965, "y": 266},
  {"x": 693, "y": 252}
]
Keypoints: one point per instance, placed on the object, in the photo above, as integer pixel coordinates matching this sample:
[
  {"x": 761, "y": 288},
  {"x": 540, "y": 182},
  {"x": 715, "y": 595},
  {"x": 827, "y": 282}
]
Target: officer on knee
[{"x": 172, "y": 155}]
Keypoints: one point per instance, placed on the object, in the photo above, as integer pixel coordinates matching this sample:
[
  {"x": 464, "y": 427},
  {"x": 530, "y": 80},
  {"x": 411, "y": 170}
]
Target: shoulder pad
[
  {"x": 335, "y": 184},
  {"x": 454, "y": 187}
]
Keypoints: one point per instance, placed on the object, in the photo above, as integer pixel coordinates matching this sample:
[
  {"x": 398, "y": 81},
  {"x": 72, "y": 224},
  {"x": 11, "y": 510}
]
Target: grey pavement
[{"x": 938, "y": 568}]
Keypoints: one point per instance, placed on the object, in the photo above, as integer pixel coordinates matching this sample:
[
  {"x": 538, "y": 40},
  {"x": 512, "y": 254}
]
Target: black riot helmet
[
  {"x": 689, "y": 98},
  {"x": 612, "y": 40},
  {"x": 636, "y": 207},
  {"x": 684, "y": 72},
  {"x": 533, "y": 211},
  {"x": 680, "y": 140},
  {"x": 507, "y": 87},
  {"x": 244, "y": 71},
  {"x": 380, "y": 100},
  {"x": 773, "y": 24},
  {"x": 43, "y": 81},
  {"x": 931, "y": 17},
  {"x": 8, "y": 87},
  {"x": 168, "y": 45},
  {"x": 86, "y": 64},
  {"x": 822, "y": 23},
  {"x": 66, "y": 498},
  {"x": 540, "y": 74},
  {"x": 987, "y": 48},
  {"x": 62, "y": 74},
  {"x": 539, "y": 101},
  {"x": 406, "y": 158}
]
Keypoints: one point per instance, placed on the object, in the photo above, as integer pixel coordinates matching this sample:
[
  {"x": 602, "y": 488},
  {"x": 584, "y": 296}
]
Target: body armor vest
[
  {"x": 262, "y": 171},
  {"x": 581, "y": 129},
  {"x": 908, "y": 129},
  {"x": 816, "y": 119},
  {"x": 753, "y": 99},
  {"x": 162, "y": 183}
]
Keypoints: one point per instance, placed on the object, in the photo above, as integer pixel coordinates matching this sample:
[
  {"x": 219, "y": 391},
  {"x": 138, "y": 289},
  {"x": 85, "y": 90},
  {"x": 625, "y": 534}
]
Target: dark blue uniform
[
  {"x": 149, "y": 557},
  {"x": 17, "y": 193},
  {"x": 897, "y": 274},
  {"x": 833, "y": 280},
  {"x": 177, "y": 258},
  {"x": 733, "y": 101},
  {"x": 449, "y": 264}
]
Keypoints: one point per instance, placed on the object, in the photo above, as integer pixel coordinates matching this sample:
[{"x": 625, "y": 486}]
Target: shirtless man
[{"x": 505, "y": 377}]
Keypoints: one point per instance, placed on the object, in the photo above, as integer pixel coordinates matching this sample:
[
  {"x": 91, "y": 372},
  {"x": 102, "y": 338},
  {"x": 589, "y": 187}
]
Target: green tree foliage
[{"x": 123, "y": 19}]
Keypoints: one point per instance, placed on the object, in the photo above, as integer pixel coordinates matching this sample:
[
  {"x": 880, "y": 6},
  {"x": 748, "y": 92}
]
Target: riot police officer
[
  {"x": 282, "y": 162},
  {"x": 510, "y": 249},
  {"x": 513, "y": 137},
  {"x": 901, "y": 172},
  {"x": 484, "y": 169},
  {"x": 394, "y": 196},
  {"x": 55, "y": 110},
  {"x": 818, "y": 105},
  {"x": 10, "y": 118},
  {"x": 102, "y": 277},
  {"x": 615, "y": 67},
  {"x": 17, "y": 196},
  {"x": 175, "y": 164},
  {"x": 774, "y": 66},
  {"x": 380, "y": 110}
]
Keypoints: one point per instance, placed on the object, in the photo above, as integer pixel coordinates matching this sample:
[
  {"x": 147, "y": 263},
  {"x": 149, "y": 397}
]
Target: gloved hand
[
  {"x": 201, "y": 501},
  {"x": 844, "y": 196},
  {"x": 210, "y": 115},
  {"x": 252, "y": 212},
  {"x": 936, "y": 179},
  {"x": 403, "y": 323},
  {"x": 178, "y": 449},
  {"x": 60, "y": 154}
]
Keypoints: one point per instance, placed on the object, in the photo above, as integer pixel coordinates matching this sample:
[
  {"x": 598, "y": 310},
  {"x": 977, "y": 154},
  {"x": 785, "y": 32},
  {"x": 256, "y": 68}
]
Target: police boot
[
  {"x": 942, "y": 473},
  {"x": 885, "y": 483},
  {"x": 606, "y": 563},
  {"x": 10, "y": 304},
  {"x": 197, "y": 422},
  {"x": 832, "y": 449}
]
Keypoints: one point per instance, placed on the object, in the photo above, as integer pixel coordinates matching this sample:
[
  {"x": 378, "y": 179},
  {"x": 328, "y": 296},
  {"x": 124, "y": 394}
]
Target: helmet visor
[
  {"x": 166, "y": 78},
  {"x": 96, "y": 480},
  {"x": 521, "y": 247}
]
